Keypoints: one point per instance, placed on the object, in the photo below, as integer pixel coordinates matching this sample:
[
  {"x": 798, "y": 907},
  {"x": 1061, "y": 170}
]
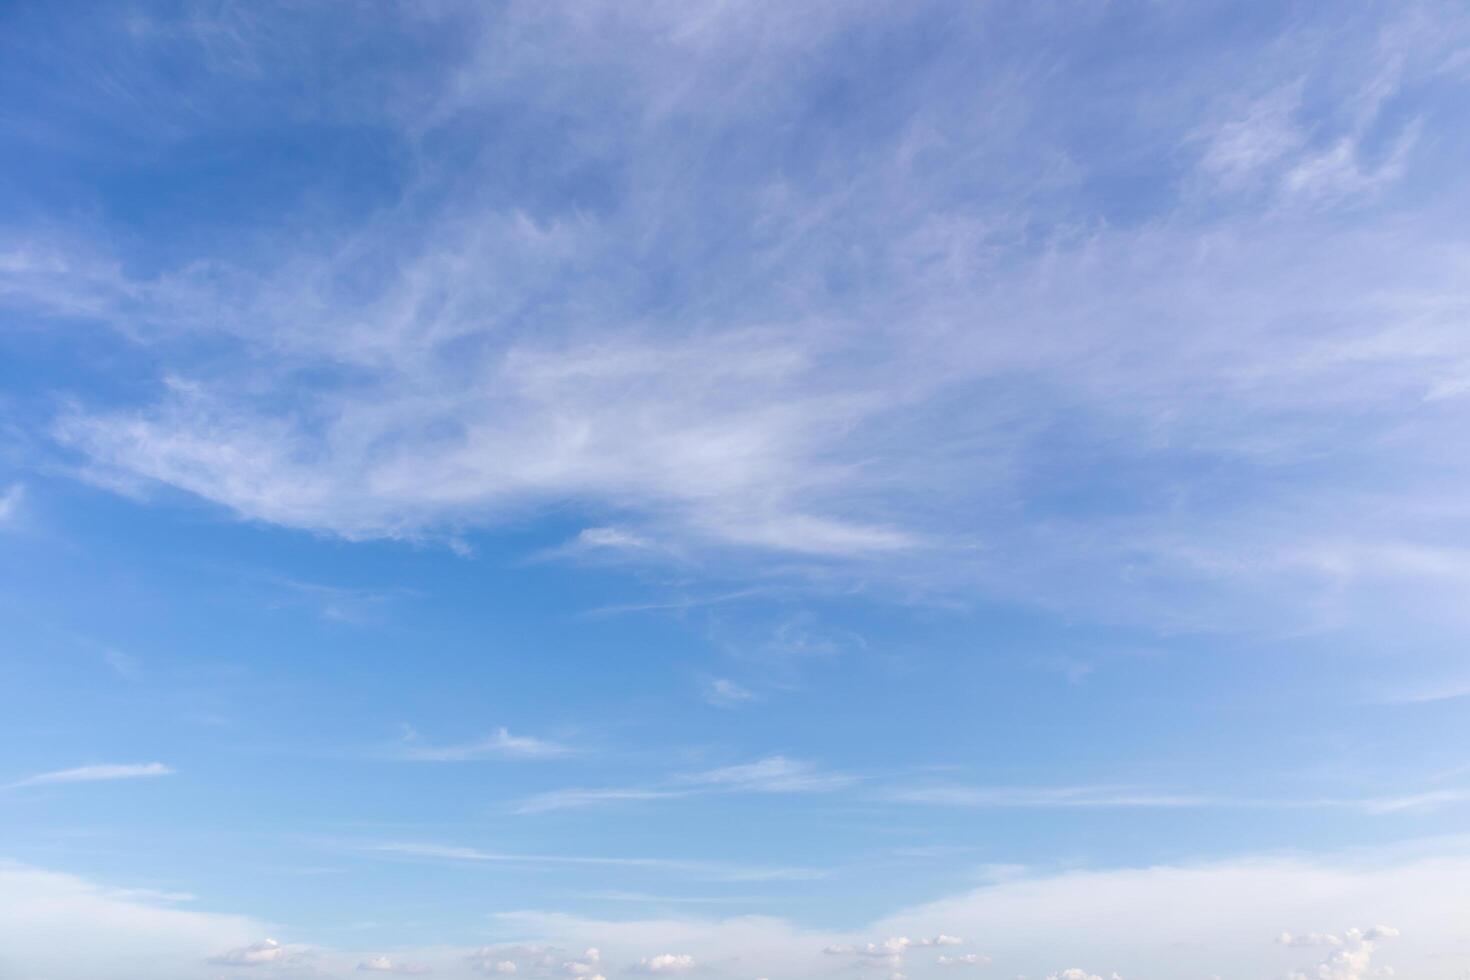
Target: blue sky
[{"x": 734, "y": 490}]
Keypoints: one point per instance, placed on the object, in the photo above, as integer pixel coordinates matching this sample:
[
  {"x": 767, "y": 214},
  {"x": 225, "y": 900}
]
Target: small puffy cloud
[
  {"x": 263, "y": 953},
  {"x": 382, "y": 964},
  {"x": 665, "y": 963},
  {"x": 1075, "y": 974},
  {"x": 506, "y": 961}
]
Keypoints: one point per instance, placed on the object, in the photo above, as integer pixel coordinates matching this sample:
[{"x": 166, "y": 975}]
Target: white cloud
[
  {"x": 575, "y": 799},
  {"x": 1237, "y": 150},
  {"x": 713, "y": 870},
  {"x": 509, "y": 960},
  {"x": 725, "y": 693},
  {"x": 896, "y": 428},
  {"x": 95, "y": 773},
  {"x": 125, "y": 665},
  {"x": 666, "y": 963},
  {"x": 383, "y": 964},
  {"x": 1309, "y": 939},
  {"x": 64, "y": 927},
  {"x": 499, "y": 744},
  {"x": 1114, "y": 797},
  {"x": 10, "y": 501},
  {"x": 1351, "y": 957},
  {"x": 585, "y": 966},
  {"x": 1046, "y": 797},
  {"x": 890, "y": 952},
  {"x": 267, "y": 952},
  {"x": 1144, "y": 922},
  {"x": 611, "y": 538},
  {"x": 774, "y": 774},
  {"x": 963, "y": 959}
]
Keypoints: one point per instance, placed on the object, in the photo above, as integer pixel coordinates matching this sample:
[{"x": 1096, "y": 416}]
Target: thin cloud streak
[
  {"x": 96, "y": 773},
  {"x": 499, "y": 744},
  {"x": 1104, "y": 797},
  {"x": 774, "y": 774},
  {"x": 702, "y": 869}
]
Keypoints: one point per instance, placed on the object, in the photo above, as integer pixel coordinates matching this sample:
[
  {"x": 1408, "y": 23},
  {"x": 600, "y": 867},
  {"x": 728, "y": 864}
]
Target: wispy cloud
[
  {"x": 267, "y": 952},
  {"x": 577, "y": 799},
  {"x": 499, "y": 744},
  {"x": 1117, "y": 797},
  {"x": 725, "y": 693},
  {"x": 95, "y": 773},
  {"x": 883, "y": 368},
  {"x": 1045, "y": 797},
  {"x": 701, "y": 869},
  {"x": 10, "y": 501},
  {"x": 125, "y": 665},
  {"x": 774, "y": 774}
]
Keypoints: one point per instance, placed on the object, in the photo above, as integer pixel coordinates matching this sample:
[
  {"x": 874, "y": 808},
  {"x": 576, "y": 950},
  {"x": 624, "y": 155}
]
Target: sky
[{"x": 734, "y": 490}]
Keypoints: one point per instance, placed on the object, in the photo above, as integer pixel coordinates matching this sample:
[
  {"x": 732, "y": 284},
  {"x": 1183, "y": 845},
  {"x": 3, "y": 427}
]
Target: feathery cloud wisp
[{"x": 95, "y": 773}]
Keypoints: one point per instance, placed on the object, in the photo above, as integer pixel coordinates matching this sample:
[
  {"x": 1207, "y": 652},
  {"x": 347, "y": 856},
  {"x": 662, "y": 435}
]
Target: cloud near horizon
[{"x": 1080, "y": 916}]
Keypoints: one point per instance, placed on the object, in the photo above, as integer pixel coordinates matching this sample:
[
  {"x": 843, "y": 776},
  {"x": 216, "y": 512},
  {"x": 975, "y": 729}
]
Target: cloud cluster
[
  {"x": 1351, "y": 956},
  {"x": 537, "y": 962},
  {"x": 890, "y": 952}
]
